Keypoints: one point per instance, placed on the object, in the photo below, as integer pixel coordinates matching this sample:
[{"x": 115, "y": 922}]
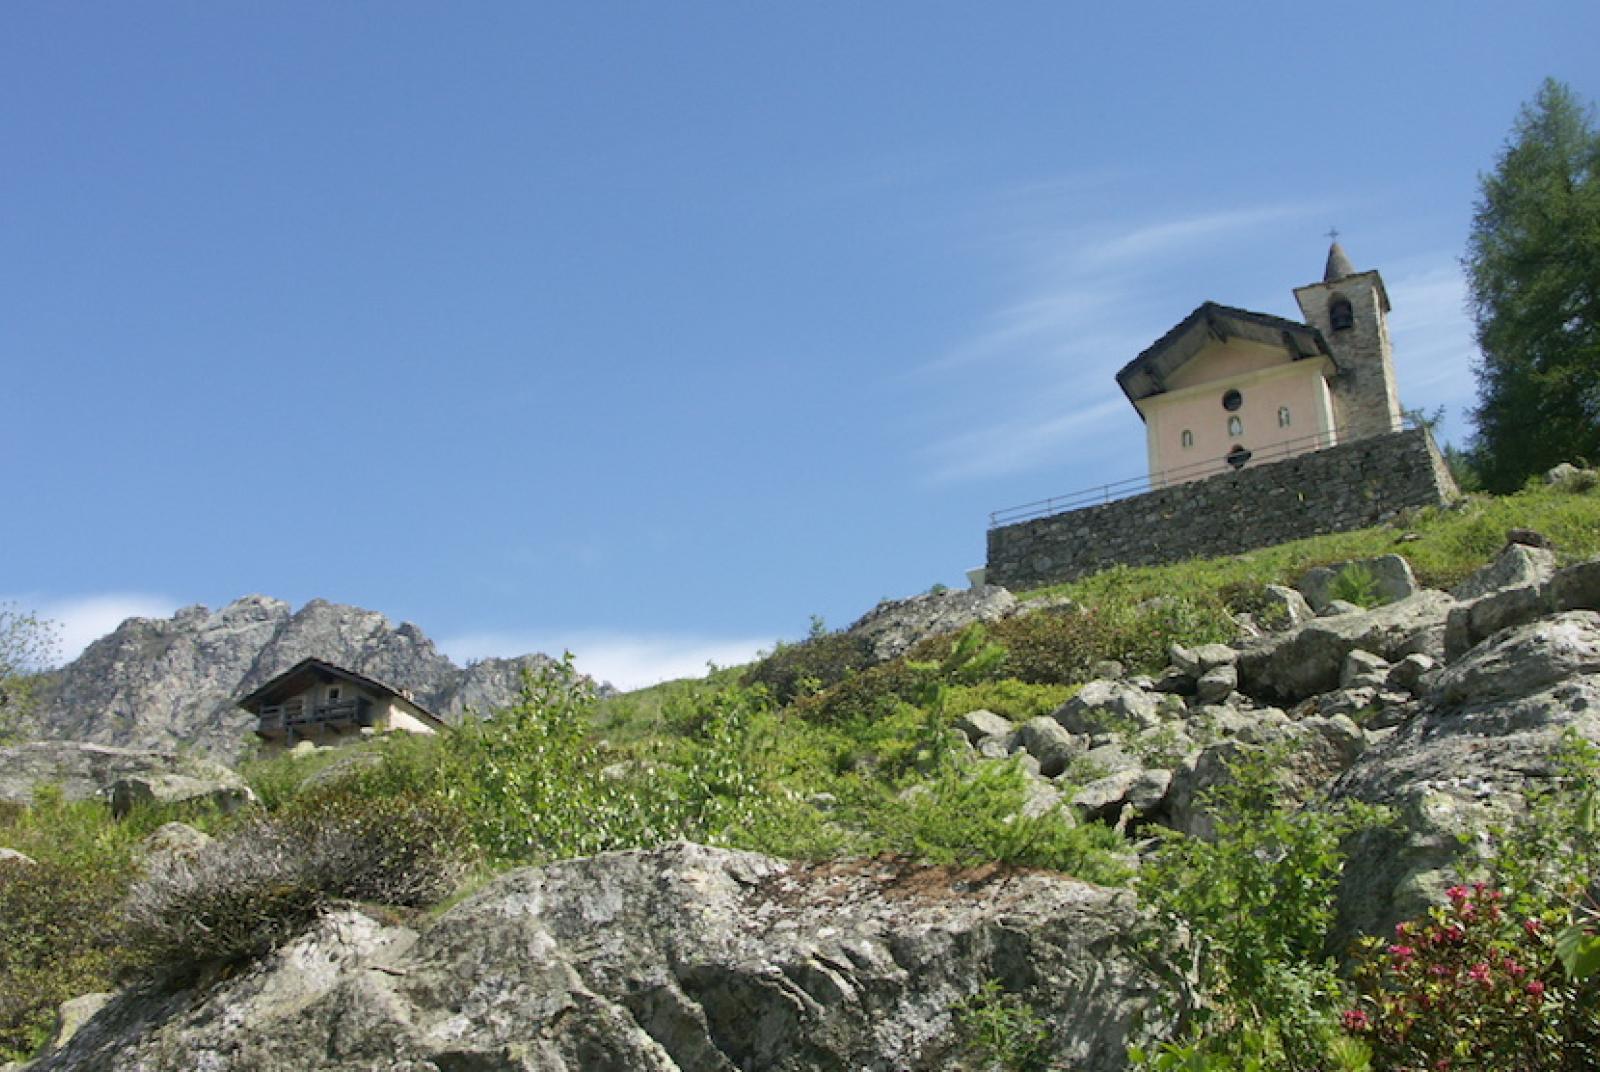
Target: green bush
[
  {"x": 60, "y": 937},
  {"x": 1256, "y": 904},
  {"x": 796, "y": 670},
  {"x": 1000, "y": 1030},
  {"x": 1061, "y": 649}
]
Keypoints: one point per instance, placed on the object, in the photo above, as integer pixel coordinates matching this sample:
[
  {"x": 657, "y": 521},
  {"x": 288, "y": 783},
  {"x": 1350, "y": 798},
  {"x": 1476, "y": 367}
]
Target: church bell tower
[{"x": 1351, "y": 310}]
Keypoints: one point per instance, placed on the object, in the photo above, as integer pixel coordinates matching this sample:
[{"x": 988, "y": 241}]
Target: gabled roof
[
  {"x": 1148, "y": 373},
  {"x": 308, "y": 672}
]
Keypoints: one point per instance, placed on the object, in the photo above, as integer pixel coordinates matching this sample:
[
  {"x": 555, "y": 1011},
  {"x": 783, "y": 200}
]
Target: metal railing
[
  {"x": 1166, "y": 478},
  {"x": 297, "y": 716}
]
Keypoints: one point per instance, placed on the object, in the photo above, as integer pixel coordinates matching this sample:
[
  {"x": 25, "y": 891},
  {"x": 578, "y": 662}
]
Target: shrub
[
  {"x": 1000, "y": 1030},
  {"x": 264, "y": 880},
  {"x": 796, "y": 670},
  {"x": 1469, "y": 987},
  {"x": 1061, "y": 649},
  {"x": 1256, "y": 904},
  {"x": 59, "y": 930}
]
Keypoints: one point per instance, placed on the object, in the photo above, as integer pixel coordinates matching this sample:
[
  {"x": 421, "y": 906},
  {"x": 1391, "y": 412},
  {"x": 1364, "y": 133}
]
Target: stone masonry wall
[{"x": 1345, "y": 487}]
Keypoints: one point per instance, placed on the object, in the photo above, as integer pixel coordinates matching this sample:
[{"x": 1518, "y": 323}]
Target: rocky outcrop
[
  {"x": 122, "y": 776},
  {"x": 684, "y": 958},
  {"x": 166, "y": 683},
  {"x": 1488, "y": 732},
  {"x": 891, "y": 628}
]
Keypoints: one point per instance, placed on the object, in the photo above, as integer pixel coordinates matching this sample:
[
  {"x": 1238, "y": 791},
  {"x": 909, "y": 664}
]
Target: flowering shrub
[{"x": 1470, "y": 986}]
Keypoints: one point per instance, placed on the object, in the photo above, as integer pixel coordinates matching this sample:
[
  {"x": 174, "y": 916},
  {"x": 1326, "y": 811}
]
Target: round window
[{"x": 1232, "y": 400}]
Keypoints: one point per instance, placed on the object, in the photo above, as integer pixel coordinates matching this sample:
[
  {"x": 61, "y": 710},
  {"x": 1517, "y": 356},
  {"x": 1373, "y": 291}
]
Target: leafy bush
[
  {"x": 1000, "y": 1030},
  {"x": 1061, "y": 649},
  {"x": 1256, "y": 904},
  {"x": 796, "y": 670},
  {"x": 264, "y": 880},
  {"x": 59, "y": 930},
  {"x": 1470, "y": 987},
  {"x": 1357, "y": 584},
  {"x": 1016, "y": 700}
]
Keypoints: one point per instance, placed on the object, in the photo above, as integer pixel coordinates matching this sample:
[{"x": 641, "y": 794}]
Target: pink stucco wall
[{"x": 1267, "y": 380}]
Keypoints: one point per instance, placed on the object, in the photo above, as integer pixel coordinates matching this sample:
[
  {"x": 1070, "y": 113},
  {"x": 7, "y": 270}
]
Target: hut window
[
  {"x": 1187, "y": 439},
  {"x": 333, "y": 692},
  {"x": 1283, "y": 416},
  {"x": 1232, "y": 400},
  {"x": 1340, "y": 315},
  {"x": 1235, "y": 426}
]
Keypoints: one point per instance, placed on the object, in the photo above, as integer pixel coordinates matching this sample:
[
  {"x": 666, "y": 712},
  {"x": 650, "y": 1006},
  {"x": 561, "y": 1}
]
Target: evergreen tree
[{"x": 1533, "y": 266}]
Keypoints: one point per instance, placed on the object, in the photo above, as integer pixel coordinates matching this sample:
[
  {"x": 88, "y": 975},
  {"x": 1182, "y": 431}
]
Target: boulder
[
  {"x": 980, "y": 724},
  {"x": 1044, "y": 739},
  {"x": 1490, "y": 729},
  {"x": 1111, "y": 797},
  {"x": 1302, "y": 662},
  {"x": 892, "y": 627},
  {"x": 91, "y": 771},
  {"x": 1283, "y": 608},
  {"x": 12, "y": 856},
  {"x": 1216, "y": 684},
  {"x": 1104, "y": 706},
  {"x": 1576, "y": 587},
  {"x": 1362, "y": 668},
  {"x": 1517, "y": 566},
  {"x": 1409, "y": 673},
  {"x": 1391, "y": 580},
  {"x": 679, "y": 958}
]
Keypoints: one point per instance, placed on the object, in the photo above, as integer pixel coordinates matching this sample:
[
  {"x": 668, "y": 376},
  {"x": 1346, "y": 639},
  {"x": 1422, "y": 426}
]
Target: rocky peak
[{"x": 172, "y": 682}]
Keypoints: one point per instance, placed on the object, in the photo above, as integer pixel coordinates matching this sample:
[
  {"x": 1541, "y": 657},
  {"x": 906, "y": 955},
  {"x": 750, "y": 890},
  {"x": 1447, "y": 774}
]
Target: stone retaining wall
[{"x": 1345, "y": 487}]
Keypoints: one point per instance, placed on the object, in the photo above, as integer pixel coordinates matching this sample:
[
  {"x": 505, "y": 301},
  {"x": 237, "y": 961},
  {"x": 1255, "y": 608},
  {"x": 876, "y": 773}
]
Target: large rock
[
  {"x": 125, "y": 775},
  {"x": 1517, "y": 566},
  {"x": 1490, "y": 730},
  {"x": 170, "y": 683},
  {"x": 1390, "y": 576},
  {"x": 1288, "y": 667},
  {"x": 684, "y": 958},
  {"x": 1105, "y": 706},
  {"x": 893, "y": 626}
]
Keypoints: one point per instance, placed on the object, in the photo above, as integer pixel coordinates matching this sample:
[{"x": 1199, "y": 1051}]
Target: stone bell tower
[{"x": 1351, "y": 309}]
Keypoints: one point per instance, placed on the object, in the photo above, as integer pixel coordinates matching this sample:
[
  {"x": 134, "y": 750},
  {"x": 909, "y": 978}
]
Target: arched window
[
  {"x": 1235, "y": 426},
  {"x": 1340, "y": 315},
  {"x": 1187, "y": 439},
  {"x": 1283, "y": 416}
]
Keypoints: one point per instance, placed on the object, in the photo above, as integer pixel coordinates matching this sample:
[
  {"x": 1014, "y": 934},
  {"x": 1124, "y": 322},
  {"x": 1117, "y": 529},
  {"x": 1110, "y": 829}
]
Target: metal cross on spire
[{"x": 1333, "y": 234}]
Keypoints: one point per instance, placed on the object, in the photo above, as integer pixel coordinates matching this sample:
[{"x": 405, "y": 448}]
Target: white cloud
[
  {"x": 1090, "y": 297},
  {"x": 81, "y": 620},
  {"x": 626, "y": 660}
]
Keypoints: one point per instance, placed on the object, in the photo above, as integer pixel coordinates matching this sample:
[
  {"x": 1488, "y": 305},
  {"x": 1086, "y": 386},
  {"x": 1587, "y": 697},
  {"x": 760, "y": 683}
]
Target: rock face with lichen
[
  {"x": 171, "y": 683},
  {"x": 677, "y": 959}
]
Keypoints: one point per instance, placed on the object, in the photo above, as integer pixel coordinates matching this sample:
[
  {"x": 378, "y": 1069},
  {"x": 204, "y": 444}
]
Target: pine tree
[{"x": 1533, "y": 267}]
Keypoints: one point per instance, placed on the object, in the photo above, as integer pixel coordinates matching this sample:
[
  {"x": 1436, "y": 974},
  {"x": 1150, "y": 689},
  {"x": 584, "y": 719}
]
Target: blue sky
[{"x": 652, "y": 330}]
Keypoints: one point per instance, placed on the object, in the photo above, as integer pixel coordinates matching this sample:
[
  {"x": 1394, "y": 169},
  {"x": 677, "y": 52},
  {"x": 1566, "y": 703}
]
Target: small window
[
  {"x": 1232, "y": 400},
  {"x": 1340, "y": 315},
  {"x": 1237, "y": 456},
  {"x": 1283, "y": 416},
  {"x": 1235, "y": 426},
  {"x": 333, "y": 692},
  {"x": 1187, "y": 439}
]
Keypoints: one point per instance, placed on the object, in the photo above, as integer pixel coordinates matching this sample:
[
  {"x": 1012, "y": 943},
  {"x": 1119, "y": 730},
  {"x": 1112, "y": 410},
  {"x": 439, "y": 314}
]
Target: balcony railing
[{"x": 296, "y": 718}]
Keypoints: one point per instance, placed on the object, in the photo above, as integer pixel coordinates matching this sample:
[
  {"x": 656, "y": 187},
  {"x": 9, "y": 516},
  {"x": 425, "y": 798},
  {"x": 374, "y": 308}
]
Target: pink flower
[
  {"x": 1479, "y": 972},
  {"x": 1355, "y": 1020},
  {"x": 1456, "y": 893},
  {"x": 1402, "y": 952},
  {"x": 1536, "y": 989},
  {"x": 1533, "y": 926}
]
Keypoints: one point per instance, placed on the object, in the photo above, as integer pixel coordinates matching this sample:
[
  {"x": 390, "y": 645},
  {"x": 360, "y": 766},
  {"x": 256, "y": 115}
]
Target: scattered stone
[
  {"x": 981, "y": 723},
  {"x": 1517, "y": 566},
  {"x": 13, "y": 856},
  {"x": 1283, "y": 608},
  {"x": 92, "y": 771},
  {"x": 226, "y": 794},
  {"x": 1362, "y": 668},
  {"x": 1050, "y": 743},
  {"x": 1102, "y": 706},
  {"x": 1335, "y": 607},
  {"x": 174, "y": 839},
  {"x": 1216, "y": 684},
  {"x": 1105, "y": 799},
  {"x": 1107, "y": 668},
  {"x": 72, "y": 1014},
  {"x": 1576, "y": 587},
  {"x": 1406, "y": 675},
  {"x": 1391, "y": 576}
]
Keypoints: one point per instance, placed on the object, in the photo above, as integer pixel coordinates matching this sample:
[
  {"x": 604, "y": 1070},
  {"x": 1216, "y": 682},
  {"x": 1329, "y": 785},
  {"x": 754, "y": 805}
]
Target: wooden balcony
[{"x": 296, "y": 720}]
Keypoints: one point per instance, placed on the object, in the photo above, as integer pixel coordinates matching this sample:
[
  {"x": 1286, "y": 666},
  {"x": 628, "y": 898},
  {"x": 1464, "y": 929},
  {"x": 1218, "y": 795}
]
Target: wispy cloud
[
  {"x": 78, "y": 621},
  {"x": 626, "y": 660},
  {"x": 1088, "y": 297},
  {"x": 1434, "y": 349}
]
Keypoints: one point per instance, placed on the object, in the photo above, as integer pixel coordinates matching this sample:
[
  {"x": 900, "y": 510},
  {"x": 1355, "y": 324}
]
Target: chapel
[{"x": 1226, "y": 387}]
